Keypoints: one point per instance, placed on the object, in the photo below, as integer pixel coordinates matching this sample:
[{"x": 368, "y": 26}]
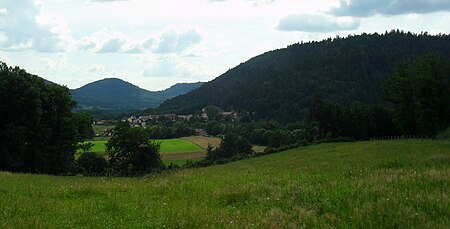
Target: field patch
[
  {"x": 177, "y": 145},
  {"x": 203, "y": 142},
  {"x": 171, "y": 146},
  {"x": 99, "y": 147}
]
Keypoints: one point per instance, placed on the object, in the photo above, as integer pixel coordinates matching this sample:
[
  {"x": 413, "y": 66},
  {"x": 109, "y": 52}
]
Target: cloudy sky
[{"x": 154, "y": 43}]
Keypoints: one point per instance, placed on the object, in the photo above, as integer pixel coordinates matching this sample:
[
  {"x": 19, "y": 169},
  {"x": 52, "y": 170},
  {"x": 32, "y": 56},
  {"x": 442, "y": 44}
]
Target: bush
[
  {"x": 131, "y": 152},
  {"x": 232, "y": 145},
  {"x": 91, "y": 164}
]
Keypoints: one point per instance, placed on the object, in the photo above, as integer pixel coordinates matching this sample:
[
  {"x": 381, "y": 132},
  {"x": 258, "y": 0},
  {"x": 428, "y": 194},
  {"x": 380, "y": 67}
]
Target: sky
[{"x": 155, "y": 44}]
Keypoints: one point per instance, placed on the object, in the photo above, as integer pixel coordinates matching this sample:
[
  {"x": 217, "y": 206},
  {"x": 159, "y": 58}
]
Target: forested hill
[
  {"x": 281, "y": 84},
  {"x": 114, "y": 94}
]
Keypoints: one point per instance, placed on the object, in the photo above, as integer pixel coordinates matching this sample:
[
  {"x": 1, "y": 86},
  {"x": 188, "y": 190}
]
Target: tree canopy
[
  {"x": 281, "y": 84},
  {"x": 38, "y": 133},
  {"x": 419, "y": 92},
  {"x": 131, "y": 151}
]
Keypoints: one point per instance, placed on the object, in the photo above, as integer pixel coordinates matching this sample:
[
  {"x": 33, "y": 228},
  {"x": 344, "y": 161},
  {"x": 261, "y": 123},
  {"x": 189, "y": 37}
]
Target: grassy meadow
[{"x": 377, "y": 184}]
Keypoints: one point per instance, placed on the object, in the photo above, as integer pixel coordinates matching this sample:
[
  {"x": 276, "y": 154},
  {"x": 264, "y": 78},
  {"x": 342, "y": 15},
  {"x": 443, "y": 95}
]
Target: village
[{"x": 145, "y": 120}]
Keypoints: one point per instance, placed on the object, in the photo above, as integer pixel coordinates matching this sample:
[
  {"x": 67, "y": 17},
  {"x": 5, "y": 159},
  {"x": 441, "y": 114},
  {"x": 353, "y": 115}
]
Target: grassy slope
[{"x": 380, "y": 184}]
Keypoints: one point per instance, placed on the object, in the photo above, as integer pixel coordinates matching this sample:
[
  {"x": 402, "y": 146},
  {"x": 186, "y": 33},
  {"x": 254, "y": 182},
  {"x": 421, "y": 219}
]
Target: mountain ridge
[
  {"x": 114, "y": 94},
  {"x": 282, "y": 83}
]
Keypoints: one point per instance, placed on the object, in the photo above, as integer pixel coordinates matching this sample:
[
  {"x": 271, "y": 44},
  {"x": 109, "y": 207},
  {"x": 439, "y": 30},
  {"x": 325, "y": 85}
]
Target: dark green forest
[
  {"x": 38, "y": 131},
  {"x": 281, "y": 85}
]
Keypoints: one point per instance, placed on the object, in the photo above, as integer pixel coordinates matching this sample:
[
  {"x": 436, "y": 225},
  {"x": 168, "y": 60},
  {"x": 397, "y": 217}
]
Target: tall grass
[{"x": 377, "y": 184}]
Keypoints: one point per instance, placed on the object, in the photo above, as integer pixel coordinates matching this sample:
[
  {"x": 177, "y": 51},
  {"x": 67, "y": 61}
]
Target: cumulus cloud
[
  {"x": 112, "y": 45},
  {"x": 22, "y": 27},
  {"x": 366, "y": 8},
  {"x": 173, "y": 41},
  {"x": 96, "y": 68},
  {"x": 106, "y": 41},
  {"x": 316, "y": 23}
]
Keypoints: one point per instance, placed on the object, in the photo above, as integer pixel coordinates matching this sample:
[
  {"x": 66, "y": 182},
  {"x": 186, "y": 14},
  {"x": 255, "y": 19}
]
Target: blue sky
[{"x": 155, "y": 44}]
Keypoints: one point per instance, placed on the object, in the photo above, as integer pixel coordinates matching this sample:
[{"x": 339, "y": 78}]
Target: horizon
[
  {"x": 155, "y": 45},
  {"x": 116, "y": 78}
]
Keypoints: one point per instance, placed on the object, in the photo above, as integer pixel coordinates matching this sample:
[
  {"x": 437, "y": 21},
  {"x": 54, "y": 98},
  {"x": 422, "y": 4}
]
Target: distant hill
[
  {"x": 115, "y": 95},
  {"x": 281, "y": 84}
]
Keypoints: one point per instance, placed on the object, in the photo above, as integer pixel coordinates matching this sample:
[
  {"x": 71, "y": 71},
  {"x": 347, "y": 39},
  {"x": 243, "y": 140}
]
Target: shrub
[{"x": 92, "y": 164}]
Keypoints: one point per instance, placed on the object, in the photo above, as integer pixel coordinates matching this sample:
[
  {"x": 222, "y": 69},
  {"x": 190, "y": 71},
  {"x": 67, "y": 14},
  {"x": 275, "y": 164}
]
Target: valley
[{"x": 345, "y": 132}]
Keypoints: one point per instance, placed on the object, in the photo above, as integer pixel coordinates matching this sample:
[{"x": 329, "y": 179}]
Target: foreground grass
[{"x": 380, "y": 184}]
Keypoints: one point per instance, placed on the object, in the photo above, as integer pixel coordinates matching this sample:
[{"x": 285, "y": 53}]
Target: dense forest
[
  {"x": 38, "y": 131},
  {"x": 282, "y": 84}
]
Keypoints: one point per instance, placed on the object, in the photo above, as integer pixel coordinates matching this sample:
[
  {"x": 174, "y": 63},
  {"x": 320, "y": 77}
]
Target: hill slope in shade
[
  {"x": 281, "y": 84},
  {"x": 378, "y": 184},
  {"x": 115, "y": 94}
]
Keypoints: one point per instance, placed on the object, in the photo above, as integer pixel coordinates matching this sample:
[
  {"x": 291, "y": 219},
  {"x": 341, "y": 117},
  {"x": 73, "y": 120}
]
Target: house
[
  {"x": 229, "y": 114},
  {"x": 201, "y": 132}
]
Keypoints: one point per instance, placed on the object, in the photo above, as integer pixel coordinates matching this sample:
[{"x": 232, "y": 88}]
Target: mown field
[
  {"x": 378, "y": 184},
  {"x": 176, "y": 151},
  {"x": 175, "y": 145}
]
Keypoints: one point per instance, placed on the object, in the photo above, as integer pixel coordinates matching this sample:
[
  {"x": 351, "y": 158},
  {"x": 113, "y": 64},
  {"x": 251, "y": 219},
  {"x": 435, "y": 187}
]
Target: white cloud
[
  {"x": 365, "y": 8},
  {"x": 105, "y": 41},
  {"x": 112, "y": 45},
  {"x": 24, "y": 26},
  {"x": 173, "y": 41},
  {"x": 316, "y": 23},
  {"x": 96, "y": 68}
]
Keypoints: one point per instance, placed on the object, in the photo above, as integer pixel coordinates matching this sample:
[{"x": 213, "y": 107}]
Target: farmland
[
  {"x": 176, "y": 151},
  {"x": 377, "y": 184}
]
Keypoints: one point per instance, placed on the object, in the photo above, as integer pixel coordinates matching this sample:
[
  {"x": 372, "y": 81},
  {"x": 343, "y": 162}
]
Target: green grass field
[
  {"x": 176, "y": 145},
  {"x": 379, "y": 184},
  {"x": 99, "y": 147}
]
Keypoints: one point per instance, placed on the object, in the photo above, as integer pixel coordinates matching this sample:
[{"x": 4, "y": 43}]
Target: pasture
[
  {"x": 177, "y": 145},
  {"x": 176, "y": 151},
  {"x": 376, "y": 184}
]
